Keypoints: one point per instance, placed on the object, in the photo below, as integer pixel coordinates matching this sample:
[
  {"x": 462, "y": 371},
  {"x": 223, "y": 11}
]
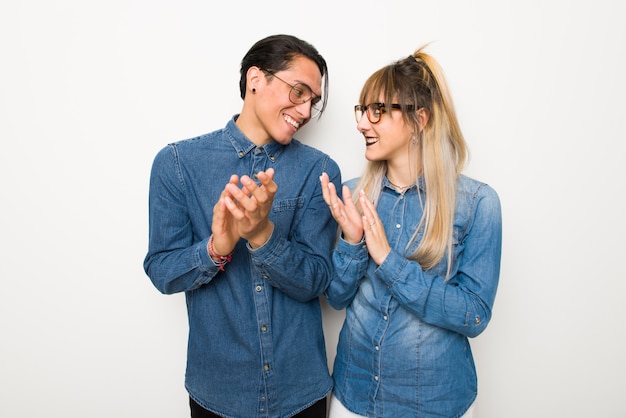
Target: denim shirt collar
[{"x": 243, "y": 145}]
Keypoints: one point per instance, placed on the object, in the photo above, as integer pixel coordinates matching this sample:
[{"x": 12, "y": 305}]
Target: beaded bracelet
[{"x": 222, "y": 259}]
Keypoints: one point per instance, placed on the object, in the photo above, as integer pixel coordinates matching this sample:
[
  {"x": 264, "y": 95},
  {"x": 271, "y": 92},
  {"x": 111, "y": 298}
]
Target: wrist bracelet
[{"x": 221, "y": 259}]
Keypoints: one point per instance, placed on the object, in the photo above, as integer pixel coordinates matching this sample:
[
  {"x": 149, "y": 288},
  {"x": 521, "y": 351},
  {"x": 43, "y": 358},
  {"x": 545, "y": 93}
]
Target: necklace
[{"x": 398, "y": 188}]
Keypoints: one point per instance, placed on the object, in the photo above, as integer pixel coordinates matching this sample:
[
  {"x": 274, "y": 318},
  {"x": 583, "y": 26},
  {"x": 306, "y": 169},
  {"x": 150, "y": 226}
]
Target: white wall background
[{"x": 91, "y": 90}]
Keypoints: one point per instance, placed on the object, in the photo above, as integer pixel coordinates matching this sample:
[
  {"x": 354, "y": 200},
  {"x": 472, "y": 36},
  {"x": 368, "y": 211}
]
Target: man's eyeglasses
[
  {"x": 375, "y": 110},
  {"x": 301, "y": 93}
]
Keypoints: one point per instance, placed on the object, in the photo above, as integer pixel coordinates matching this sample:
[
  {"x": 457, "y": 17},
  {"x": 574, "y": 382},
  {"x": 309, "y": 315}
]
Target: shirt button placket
[
  {"x": 265, "y": 337},
  {"x": 377, "y": 354}
]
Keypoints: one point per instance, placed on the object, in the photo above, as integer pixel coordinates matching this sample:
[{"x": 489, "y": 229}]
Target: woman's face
[
  {"x": 389, "y": 138},
  {"x": 278, "y": 115}
]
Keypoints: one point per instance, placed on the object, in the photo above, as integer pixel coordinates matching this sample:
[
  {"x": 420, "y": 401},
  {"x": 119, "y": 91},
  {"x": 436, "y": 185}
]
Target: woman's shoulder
[
  {"x": 352, "y": 182},
  {"x": 477, "y": 194},
  {"x": 474, "y": 187}
]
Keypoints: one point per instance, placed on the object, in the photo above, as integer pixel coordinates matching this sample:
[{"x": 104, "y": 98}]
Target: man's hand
[{"x": 250, "y": 207}]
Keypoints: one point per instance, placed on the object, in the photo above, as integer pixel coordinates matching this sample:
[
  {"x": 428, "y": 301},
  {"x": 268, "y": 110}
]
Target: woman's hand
[
  {"x": 375, "y": 237},
  {"x": 345, "y": 212}
]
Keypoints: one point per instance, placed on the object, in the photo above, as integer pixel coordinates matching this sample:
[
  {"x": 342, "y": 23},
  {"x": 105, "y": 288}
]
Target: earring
[
  {"x": 253, "y": 90},
  {"x": 417, "y": 137}
]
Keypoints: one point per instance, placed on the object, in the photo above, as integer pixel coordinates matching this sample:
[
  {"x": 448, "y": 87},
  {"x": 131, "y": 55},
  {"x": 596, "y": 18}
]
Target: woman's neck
[{"x": 402, "y": 178}]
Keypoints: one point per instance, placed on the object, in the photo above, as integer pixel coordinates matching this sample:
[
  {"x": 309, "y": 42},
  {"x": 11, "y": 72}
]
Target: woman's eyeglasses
[{"x": 375, "y": 110}]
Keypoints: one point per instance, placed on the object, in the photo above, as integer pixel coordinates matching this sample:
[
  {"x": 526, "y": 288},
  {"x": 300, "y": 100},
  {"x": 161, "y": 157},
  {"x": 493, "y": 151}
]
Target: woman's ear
[{"x": 422, "y": 118}]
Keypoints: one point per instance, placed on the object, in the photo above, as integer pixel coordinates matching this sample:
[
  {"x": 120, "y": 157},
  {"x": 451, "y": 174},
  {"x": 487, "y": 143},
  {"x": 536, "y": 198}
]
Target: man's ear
[{"x": 254, "y": 77}]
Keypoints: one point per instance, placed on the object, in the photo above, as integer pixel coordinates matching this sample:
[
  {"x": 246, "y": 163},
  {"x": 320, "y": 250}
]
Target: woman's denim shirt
[
  {"x": 256, "y": 346},
  {"x": 403, "y": 349}
]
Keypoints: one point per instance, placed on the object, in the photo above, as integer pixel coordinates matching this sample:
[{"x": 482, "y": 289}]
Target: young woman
[{"x": 418, "y": 258}]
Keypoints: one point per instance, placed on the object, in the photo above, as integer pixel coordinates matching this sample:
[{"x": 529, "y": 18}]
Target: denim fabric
[
  {"x": 403, "y": 349},
  {"x": 256, "y": 347}
]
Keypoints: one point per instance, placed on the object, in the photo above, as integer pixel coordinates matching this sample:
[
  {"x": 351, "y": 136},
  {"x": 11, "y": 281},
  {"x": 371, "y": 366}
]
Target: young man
[{"x": 238, "y": 223}]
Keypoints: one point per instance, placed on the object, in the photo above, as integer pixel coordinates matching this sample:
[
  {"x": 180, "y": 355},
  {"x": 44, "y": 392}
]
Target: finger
[
  {"x": 237, "y": 195},
  {"x": 261, "y": 194},
  {"x": 351, "y": 208},
  {"x": 368, "y": 207},
  {"x": 333, "y": 199},
  {"x": 267, "y": 180},
  {"x": 219, "y": 208},
  {"x": 244, "y": 194},
  {"x": 347, "y": 198},
  {"x": 329, "y": 193},
  {"x": 269, "y": 173},
  {"x": 324, "y": 184},
  {"x": 234, "y": 210},
  {"x": 249, "y": 184},
  {"x": 365, "y": 204},
  {"x": 368, "y": 224},
  {"x": 219, "y": 217},
  {"x": 234, "y": 180}
]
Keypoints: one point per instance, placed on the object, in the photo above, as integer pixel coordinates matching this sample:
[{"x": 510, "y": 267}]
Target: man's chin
[{"x": 284, "y": 141}]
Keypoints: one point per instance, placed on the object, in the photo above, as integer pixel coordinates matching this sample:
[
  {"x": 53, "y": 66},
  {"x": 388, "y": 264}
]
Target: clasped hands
[
  {"x": 243, "y": 212},
  {"x": 355, "y": 224}
]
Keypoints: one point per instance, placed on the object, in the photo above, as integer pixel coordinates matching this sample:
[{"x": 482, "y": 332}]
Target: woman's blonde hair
[{"x": 418, "y": 82}]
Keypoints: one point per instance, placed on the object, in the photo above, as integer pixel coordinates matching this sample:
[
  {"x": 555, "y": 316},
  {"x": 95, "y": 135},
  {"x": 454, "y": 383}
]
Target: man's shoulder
[
  {"x": 309, "y": 151},
  {"x": 197, "y": 141}
]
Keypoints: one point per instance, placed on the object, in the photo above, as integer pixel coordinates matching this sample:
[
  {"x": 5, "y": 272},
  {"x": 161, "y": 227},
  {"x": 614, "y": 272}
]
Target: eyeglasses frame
[
  {"x": 314, "y": 99},
  {"x": 365, "y": 109}
]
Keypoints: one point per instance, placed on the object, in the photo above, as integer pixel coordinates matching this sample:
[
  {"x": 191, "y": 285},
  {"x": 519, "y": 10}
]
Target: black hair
[{"x": 274, "y": 53}]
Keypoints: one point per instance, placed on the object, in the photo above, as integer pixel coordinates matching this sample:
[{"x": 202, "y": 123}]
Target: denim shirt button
[
  {"x": 263, "y": 328},
  {"x": 398, "y": 226},
  {"x": 377, "y": 348},
  {"x": 385, "y": 317},
  {"x": 477, "y": 320},
  {"x": 241, "y": 154},
  {"x": 266, "y": 367},
  {"x": 376, "y": 378},
  {"x": 265, "y": 276},
  {"x": 258, "y": 288}
]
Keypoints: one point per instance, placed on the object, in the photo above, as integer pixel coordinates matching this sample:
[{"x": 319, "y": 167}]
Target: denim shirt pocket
[
  {"x": 284, "y": 212},
  {"x": 288, "y": 204}
]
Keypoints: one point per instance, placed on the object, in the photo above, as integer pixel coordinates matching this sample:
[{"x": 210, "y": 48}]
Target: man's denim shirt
[
  {"x": 403, "y": 349},
  {"x": 256, "y": 346}
]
